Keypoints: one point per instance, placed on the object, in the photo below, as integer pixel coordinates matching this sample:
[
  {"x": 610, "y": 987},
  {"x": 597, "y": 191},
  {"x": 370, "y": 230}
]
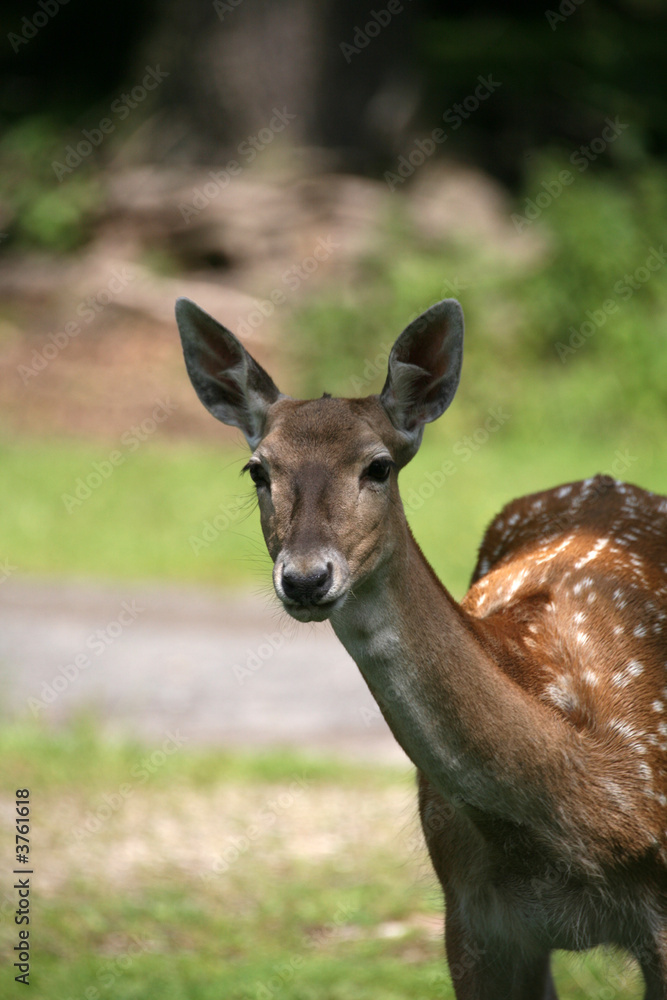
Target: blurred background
[{"x": 219, "y": 808}]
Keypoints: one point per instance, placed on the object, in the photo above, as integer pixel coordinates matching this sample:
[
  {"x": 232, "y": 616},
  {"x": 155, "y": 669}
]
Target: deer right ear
[
  {"x": 424, "y": 371},
  {"x": 228, "y": 381}
]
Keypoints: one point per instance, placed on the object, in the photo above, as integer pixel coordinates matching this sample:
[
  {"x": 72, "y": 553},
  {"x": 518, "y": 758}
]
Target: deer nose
[{"x": 307, "y": 588}]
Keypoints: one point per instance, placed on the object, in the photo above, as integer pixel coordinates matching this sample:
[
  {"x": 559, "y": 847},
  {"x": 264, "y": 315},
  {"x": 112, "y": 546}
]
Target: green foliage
[
  {"x": 573, "y": 329},
  {"x": 41, "y": 212},
  {"x": 562, "y": 71},
  {"x": 601, "y": 230}
]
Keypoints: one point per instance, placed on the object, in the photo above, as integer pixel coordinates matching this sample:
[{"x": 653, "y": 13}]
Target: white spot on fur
[
  {"x": 594, "y": 552},
  {"x": 560, "y": 693},
  {"x": 517, "y": 581},
  {"x": 623, "y": 677},
  {"x": 644, "y": 771},
  {"x": 619, "y": 598}
]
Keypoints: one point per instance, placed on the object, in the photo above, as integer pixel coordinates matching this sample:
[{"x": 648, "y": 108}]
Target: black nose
[{"x": 310, "y": 588}]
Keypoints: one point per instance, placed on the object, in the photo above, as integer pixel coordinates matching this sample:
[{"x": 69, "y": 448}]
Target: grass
[
  {"x": 197, "y": 882},
  {"x": 220, "y": 877},
  {"x": 138, "y": 523},
  {"x": 183, "y": 514},
  {"x": 163, "y": 891}
]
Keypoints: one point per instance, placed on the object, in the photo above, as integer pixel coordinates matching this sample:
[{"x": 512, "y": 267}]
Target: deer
[{"x": 534, "y": 711}]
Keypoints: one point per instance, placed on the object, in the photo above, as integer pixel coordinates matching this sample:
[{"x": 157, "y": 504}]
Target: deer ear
[
  {"x": 228, "y": 381},
  {"x": 424, "y": 370}
]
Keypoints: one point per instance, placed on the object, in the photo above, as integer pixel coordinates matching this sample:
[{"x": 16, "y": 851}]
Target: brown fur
[{"x": 535, "y": 711}]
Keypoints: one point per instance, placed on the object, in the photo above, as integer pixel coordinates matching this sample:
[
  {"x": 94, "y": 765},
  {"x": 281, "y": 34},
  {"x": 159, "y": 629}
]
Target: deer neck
[{"x": 475, "y": 734}]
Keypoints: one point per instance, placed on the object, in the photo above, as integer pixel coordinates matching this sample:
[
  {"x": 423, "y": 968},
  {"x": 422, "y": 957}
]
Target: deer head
[{"x": 326, "y": 469}]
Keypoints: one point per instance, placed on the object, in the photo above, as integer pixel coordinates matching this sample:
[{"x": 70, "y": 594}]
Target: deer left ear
[
  {"x": 229, "y": 382},
  {"x": 424, "y": 370}
]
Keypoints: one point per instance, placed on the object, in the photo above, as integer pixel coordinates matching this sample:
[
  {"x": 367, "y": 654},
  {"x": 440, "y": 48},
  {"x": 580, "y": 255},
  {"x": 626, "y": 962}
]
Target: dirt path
[{"x": 220, "y": 668}]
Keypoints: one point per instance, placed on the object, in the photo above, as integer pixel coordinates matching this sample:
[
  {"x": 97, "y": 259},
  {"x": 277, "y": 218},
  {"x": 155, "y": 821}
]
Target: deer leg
[
  {"x": 653, "y": 963},
  {"x": 483, "y": 972},
  {"x": 655, "y": 987},
  {"x": 550, "y": 987}
]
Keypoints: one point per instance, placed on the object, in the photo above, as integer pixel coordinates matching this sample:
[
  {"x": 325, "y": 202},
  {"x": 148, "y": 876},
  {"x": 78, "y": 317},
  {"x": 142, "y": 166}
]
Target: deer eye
[
  {"x": 379, "y": 469},
  {"x": 257, "y": 473}
]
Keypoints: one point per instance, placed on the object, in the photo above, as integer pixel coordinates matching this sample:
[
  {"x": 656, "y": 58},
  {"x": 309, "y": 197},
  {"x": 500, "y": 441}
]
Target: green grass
[
  {"x": 183, "y": 514},
  {"x": 123, "y": 912},
  {"x": 146, "y": 520},
  {"x": 131, "y": 911},
  {"x": 51, "y": 756}
]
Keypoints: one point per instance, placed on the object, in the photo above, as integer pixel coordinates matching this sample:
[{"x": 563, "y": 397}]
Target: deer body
[
  {"x": 571, "y": 591},
  {"x": 535, "y": 711}
]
